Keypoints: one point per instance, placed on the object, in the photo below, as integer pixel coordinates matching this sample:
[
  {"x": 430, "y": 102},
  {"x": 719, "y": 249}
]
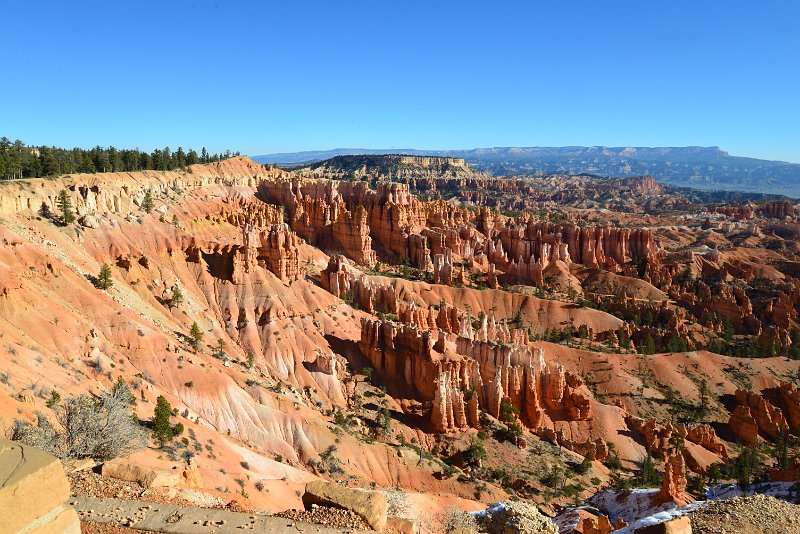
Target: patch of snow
[
  {"x": 568, "y": 519},
  {"x": 493, "y": 508},
  {"x": 787, "y": 491},
  {"x": 631, "y": 506},
  {"x": 660, "y": 517}
]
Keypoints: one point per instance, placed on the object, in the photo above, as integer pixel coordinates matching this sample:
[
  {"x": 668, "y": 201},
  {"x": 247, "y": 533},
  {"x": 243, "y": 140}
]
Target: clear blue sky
[{"x": 264, "y": 77}]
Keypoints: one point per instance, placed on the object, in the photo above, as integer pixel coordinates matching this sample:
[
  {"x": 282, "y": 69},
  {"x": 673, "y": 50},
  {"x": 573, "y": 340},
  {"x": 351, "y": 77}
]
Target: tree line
[{"x": 18, "y": 160}]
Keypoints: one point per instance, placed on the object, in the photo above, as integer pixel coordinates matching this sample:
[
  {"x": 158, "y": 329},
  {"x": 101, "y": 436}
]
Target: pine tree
[
  {"x": 64, "y": 203},
  {"x": 147, "y": 203},
  {"x": 104, "y": 280},
  {"x": 586, "y": 464},
  {"x": 648, "y": 476},
  {"x": 648, "y": 345},
  {"x": 196, "y": 335},
  {"x": 162, "y": 429},
  {"x": 747, "y": 467},
  {"x": 781, "y": 452},
  {"x": 177, "y": 297}
]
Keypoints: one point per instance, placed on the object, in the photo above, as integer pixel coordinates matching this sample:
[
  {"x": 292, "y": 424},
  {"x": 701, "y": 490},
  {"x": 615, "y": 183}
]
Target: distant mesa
[
  {"x": 706, "y": 168},
  {"x": 392, "y": 166}
]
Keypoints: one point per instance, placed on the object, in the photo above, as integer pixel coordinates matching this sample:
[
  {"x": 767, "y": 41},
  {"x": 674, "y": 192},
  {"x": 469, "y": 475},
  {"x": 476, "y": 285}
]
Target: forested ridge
[{"x": 18, "y": 160}]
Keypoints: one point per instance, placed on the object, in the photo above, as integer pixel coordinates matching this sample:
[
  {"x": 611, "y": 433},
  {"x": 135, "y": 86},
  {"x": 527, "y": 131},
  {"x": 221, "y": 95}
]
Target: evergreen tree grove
[{"x": 18, "y": 160}]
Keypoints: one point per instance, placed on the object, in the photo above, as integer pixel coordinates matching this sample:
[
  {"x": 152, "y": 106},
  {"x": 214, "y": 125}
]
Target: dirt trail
[{"x": 174, "y": 519}]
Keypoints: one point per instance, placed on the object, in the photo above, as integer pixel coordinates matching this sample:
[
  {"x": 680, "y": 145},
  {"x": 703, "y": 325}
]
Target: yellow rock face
[{"x": 33, "y": 487}]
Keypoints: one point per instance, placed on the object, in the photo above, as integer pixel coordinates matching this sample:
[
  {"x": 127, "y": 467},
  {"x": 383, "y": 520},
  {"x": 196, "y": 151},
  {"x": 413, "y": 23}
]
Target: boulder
[
  {"x": 27, "y": 396},
  {"x": 34, "y": 486},
  {"x": 681, "y": 525},
  {"x": 84, "y": 464},
  {"x": 601, "y": 525},
  {"x": 401, "y": 525},
  {"x": 514, "y": 517},
  {"x": 191, "y": 476},
  {"x": 744, "y": 425},
  {"x": 372, "y": 507},
  {"x": 148, "y": 477},
  {"x": 89, "y": 221}
]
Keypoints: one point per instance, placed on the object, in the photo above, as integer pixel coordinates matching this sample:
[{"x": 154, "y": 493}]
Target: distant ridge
[
  {"x": 393, "y": 166},
  {"x": 708, "y": 168}
]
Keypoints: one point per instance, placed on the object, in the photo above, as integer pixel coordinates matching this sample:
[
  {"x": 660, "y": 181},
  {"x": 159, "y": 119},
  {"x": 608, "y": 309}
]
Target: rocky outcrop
[
  {"x": 442, "y": 267},
  {"x": 459, "y": 376},
  {"x": 743, "y": 425},
  {"x": 279, "y": 247},
  {"x": 600, "y": 525},
  {"x": 614, "y": 249},
  {"x": 790, "y": 403},
  {"x": 755, "y": 415},
  {"x": 148, "y": 477},
  {"x": 371, "y": 506},
  {"x": 318, "y": 212},
  {"x": 779, "y": 209},
  {"x": 673, "y": 487},
  {"x": 596, "y": 449},
  {"x": 775, "y": 209},
  {"x": 274, "y": 248},
  {"x": 352, "y": 218},
  {"x": 191, "y": 476},
  {"x": 657, "y": 437},
  {"x": 33, "y": 491}
]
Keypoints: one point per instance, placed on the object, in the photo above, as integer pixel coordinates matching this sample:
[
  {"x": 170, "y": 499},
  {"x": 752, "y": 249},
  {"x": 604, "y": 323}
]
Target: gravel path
[
  {"x": 758, "y": 514},
  {"x": 173, "y": 519},
  {"x": 323, "y": 515},
  {"x": 99, "y": 528}
]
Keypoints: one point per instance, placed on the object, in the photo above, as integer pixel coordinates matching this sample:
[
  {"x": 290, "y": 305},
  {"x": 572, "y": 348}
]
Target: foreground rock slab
[
  {"x": 373, "y": 507},
  {"x": 33, "y": 488},
  {"x": 173, "y": 519}
]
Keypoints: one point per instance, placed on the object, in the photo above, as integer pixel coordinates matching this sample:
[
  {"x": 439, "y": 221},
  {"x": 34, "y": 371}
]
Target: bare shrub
[
  {"x": 455, "y": 518},
  {"x": 398, "y": 503},
  {"x": 101, "y": 428}
]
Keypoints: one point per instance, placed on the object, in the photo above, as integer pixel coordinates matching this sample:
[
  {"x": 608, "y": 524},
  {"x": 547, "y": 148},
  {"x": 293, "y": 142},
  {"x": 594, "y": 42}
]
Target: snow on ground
[
  {"x": 788, "y": 491},
  {"x": 660, "y": 517},
  {"x": 568, "y": 520},
  {"x": 631, "y": 506},
  {"x": 496, "y": 507}
]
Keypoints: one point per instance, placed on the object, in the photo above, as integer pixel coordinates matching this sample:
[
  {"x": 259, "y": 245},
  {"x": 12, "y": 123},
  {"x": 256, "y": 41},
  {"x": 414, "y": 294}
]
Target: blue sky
[{"x": 264, "y": 77}]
